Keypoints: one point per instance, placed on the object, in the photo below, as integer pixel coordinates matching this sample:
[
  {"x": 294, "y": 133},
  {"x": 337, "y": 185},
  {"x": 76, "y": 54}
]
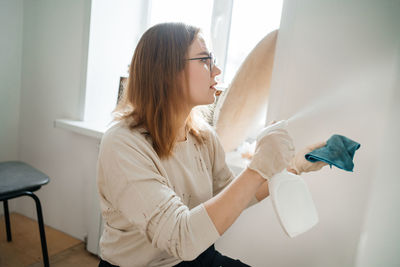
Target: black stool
[{"x": 19, "y": 179}]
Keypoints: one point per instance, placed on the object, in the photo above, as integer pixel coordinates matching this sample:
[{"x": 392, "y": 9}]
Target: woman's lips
[{"x": 217, "y": 91}]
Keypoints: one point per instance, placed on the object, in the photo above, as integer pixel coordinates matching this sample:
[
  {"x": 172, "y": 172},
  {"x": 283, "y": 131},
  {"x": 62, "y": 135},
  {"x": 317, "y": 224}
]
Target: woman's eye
[{"x": 204, "y": 60}]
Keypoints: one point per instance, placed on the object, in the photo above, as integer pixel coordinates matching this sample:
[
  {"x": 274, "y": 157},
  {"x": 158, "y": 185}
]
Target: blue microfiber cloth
[{"x": 339, "y": 151}]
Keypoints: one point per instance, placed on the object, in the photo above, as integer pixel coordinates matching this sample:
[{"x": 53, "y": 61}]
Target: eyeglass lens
[{"x": 212, "y": 61}]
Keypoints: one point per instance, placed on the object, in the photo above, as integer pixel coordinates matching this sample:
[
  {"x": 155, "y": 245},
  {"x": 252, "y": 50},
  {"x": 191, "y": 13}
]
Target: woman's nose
[{"x": 216, "y": 71}]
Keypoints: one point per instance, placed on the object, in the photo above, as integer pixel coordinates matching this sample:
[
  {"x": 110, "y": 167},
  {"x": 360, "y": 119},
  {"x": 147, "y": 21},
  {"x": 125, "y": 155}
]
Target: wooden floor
[{"x": 25, "y": 248}]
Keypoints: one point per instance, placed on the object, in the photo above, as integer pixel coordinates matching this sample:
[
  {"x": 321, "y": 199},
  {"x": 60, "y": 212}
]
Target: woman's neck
[{"x": 182, "y": 132}]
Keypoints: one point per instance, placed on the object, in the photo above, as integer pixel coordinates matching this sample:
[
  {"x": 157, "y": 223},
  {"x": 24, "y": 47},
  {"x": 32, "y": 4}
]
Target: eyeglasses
[{"x": 210, "y": 57}]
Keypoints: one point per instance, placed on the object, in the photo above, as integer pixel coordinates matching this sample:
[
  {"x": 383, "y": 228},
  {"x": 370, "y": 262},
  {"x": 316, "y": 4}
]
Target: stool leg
[
  {"x": 41, "y": 228},
  {"x": 7, "y": 219}
]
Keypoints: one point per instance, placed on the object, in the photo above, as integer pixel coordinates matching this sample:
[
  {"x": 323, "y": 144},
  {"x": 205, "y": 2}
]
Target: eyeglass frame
[{"x": 210, "y": 57}]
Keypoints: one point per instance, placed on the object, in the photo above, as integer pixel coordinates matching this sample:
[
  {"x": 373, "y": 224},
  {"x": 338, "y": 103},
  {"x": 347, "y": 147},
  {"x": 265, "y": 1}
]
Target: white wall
[
  {"x": 55, "y": 41},
  {"x": 380, "y": 239},
  {"x": 335, "y": 64},
  {"x": 10, "y": 76},
  {"x": 11, "y": 18}
]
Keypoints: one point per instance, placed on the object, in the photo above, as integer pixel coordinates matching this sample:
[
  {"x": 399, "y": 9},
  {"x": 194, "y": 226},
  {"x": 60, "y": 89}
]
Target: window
[
  {"x": 233, "y": 27},
  {"x": 251, "y": 21}
]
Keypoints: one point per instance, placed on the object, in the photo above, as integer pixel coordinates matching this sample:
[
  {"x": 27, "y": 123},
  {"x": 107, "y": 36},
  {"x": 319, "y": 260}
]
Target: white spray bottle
[{"x": 290, "y": 197}]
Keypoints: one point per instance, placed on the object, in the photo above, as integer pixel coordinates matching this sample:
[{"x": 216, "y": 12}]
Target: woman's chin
[{"x": 212, "y": 100}]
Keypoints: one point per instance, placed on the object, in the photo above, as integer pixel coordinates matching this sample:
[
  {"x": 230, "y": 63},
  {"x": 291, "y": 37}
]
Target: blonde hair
[{"x": 155, "y": 86}]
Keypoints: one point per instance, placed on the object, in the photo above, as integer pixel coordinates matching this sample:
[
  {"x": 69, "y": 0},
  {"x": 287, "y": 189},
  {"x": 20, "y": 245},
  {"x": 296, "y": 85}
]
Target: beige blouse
[{"x": 152, "y": 208}]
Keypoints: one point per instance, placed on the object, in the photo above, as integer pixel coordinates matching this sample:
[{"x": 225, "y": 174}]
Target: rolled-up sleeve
[{"x": 136, "y": 188}]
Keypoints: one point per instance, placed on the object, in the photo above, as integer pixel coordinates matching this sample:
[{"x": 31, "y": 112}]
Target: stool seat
[
  {"x": 19, "y": 179},
  {"x": 16, "y": 176}
]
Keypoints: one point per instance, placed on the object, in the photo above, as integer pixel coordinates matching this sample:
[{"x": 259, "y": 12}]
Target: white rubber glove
[
  {"x": 299, "y": 164},
  {"x": 273, "y": 153}
]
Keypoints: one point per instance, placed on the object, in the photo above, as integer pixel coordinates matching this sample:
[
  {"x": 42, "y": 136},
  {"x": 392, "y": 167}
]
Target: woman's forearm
[
  {"x": 262, "y": 191},
  {"x": 225, "y": 207}
]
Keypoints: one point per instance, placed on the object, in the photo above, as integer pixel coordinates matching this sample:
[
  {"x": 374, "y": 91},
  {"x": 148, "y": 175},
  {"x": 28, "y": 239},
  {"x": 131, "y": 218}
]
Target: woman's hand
[
  {"x": 299, "y": 164},
  {"x": 273, "y": 153}
]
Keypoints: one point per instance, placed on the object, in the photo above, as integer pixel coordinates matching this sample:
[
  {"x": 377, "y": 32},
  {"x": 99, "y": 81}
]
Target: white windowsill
[
  {"x": 97, "y": 129},
  {"x": 87, "y": 128}
]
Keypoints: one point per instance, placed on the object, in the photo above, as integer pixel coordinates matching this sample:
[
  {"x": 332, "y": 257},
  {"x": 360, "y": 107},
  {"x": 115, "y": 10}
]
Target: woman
[{"x": 166, "y": 192}]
